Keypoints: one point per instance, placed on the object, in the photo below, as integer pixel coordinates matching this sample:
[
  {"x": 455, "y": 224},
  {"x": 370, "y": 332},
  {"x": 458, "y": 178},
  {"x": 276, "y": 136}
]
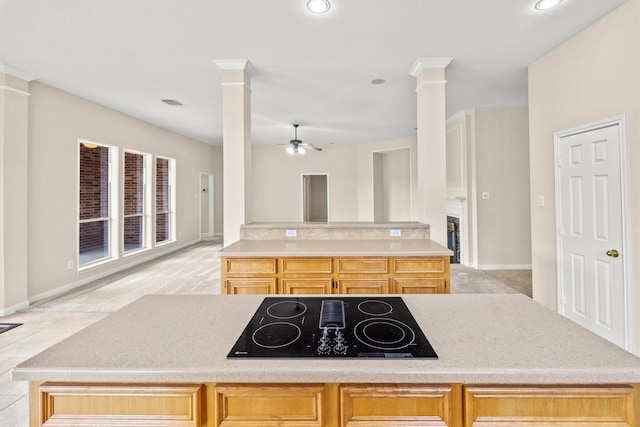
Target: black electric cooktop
[{"x": 333, "y": 327}]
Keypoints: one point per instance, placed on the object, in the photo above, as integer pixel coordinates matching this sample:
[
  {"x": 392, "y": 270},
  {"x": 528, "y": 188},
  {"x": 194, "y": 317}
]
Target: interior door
[{"x": 589, "y": 199}]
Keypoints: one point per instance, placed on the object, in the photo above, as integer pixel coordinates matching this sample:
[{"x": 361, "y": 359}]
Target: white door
[{"x": 591, "y": 258}]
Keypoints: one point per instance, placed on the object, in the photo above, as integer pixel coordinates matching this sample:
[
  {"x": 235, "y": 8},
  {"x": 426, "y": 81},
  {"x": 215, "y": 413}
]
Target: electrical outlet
[
  {"x": 395, "y": 232},
  {"x": 70, "y": 265},
  {"x": 486, "y": 195},
  {"x": 290, "y": 233},
  {"x": 541, "y": 201}
]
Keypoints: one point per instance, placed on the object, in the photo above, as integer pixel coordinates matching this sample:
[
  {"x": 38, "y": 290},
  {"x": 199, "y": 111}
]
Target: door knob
[{"x": 613, "y": 253}]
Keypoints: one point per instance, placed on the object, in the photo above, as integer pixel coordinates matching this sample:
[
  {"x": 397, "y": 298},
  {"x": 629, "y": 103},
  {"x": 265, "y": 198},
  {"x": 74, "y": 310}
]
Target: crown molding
[
  {"x": 7, "y": 69},
  {"x": 429, "y": 63},
  {"x": 236, "y": 64}
]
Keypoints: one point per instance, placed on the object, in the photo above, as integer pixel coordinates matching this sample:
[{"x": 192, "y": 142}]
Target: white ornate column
[
  {"x": 14, "y": 124},
  {"x": 236, "y": 145},
  {"x": 431, "y": 145}
]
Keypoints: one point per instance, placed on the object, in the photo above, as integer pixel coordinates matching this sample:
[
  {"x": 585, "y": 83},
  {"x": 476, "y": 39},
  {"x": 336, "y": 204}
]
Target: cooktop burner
[{"x": 338, "y": 327}]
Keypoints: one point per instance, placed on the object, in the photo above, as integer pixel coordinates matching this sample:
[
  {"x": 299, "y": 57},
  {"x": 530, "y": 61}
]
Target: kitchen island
[
  {"x": 335, "y": 258},
  {"x": 503, "y": 360}
]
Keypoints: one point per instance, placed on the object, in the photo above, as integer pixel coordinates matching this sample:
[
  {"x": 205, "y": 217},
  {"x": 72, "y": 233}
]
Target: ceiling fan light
[
  {"x": 547, "y": 4},
  {"x": 318, "y": 6},
  {"x": 291, "y": 150},
  {"x": 301, "y": 150}
]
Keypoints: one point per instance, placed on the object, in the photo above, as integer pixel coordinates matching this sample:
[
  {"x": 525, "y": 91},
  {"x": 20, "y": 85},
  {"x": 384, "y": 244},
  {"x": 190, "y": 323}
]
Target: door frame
[
  {"x": 210, "y": 202},
  {"x": 303, "y": 198},
  {"x": 620, "y": 122}
]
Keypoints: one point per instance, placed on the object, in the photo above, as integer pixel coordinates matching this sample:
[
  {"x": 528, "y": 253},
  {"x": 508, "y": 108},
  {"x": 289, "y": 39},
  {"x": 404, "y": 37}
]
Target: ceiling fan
[{"x": 297, "y": 146}]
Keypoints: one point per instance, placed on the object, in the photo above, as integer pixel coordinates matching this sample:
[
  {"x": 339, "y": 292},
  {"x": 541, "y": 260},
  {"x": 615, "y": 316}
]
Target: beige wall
[
  {"x": 502, "y": 161},
  {"x": 592, "y": 77},
  {"x": 56, "y": 121},
  {"x": 366, "y": 175},
  {"x": 488, "y": 151},
  {"x": 277, "y": 181}
]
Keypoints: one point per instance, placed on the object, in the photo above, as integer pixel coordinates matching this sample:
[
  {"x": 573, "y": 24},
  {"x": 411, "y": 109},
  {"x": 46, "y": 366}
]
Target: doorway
[
  {"x": 591, "y": 203},
  {"x": 315, "y": 198},
  {"x": 206, "y": 204}
]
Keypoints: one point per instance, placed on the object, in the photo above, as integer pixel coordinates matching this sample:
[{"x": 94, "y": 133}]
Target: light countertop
[
  {"x": 304, "y": 248},
  {"x": 494, "y": 339},
  {"x": 336, "y": 224}
]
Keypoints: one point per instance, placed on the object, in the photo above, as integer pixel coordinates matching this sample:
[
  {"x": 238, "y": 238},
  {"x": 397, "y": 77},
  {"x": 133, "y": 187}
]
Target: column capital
[
  {"x": 422, "y": 63},
  {"x": 236, "y": 64},
  {"x": 6, "y": 69}
]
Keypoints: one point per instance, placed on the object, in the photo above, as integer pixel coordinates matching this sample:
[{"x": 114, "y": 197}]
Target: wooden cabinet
[
  {"x": 121, "y": 405},
  {"x": 344, "y": 275},
  {"x": 333, "y": 405},
  {"x": 400, "y": 405},
  {"x": 575, "y": 406},
  {"x": 270, "y": 405}
]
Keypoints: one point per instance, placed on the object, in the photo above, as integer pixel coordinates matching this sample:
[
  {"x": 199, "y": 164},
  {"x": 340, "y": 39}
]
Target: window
[
  {"x": 96, "y": 209},
  {"x": 135, "y": 202},
  {"x": 165, "y": 200}
]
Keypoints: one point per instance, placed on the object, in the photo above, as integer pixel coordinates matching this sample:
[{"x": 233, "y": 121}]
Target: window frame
[
  {"x": 171, "y": 197},
  {"x": 147, "y": 207},
  {"x": 112, "y": 209}
]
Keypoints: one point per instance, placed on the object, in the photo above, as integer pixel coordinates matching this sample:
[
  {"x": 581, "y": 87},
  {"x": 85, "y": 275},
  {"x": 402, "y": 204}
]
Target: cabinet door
[
  {"x": 398, "y": 405},
  {"x": 363, "y": 286},
  {"x": 529, "y": 406},
  {"x": 306, "y": 286},
  {"x": 418, "y": 286},
  {"x": 249, "y": 286},
  {"x": 119, "y": 405},
  {"x": 269, "y": 405}
]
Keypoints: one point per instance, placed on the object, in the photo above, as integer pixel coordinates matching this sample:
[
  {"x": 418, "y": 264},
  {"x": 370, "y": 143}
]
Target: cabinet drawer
[
  {"x": 109, "y": 405},
  {"x": 399, "y": 405},
  {"x": 306, "y": 286},
  {"x": 250, "y": 265},
  {"x": 591, "y": 406},
  {"x": 250, "y": 286},
  {"x": 269, "y": 405},
  {"x": 362, "y": 265},
  {"x": 307, "y": 265},
  {"x": 419, "y": 265},
  {"x": 418, "y": 285}
]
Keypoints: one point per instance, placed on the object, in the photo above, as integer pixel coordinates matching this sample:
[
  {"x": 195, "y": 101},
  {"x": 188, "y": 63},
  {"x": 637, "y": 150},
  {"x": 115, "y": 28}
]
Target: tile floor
[{"x": 48, "y": 322}]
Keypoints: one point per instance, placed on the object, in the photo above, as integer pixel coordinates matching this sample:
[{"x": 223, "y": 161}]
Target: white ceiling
[{"x": 311, "y": 69}]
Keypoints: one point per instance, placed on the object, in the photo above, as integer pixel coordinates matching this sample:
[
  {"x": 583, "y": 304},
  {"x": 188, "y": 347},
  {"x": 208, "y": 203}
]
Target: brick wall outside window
[
  {"x": 162, "y": 200},
  {"x": 94, "y": 196},
  {"x": 133, "y": 199}
]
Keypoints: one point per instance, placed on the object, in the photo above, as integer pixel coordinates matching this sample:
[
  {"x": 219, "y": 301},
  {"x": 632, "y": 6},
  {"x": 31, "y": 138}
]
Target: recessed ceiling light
[
  {"x": 377, "y": 81},
  {"x": 547, "y": 4},
  {"x": 318, "y": 6},
  {"x": 172, "y": 102}
]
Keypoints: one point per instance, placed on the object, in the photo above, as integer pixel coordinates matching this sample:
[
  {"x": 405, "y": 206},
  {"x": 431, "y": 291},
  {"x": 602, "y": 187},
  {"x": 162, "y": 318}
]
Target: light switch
[{"x": 541, "y": 201}]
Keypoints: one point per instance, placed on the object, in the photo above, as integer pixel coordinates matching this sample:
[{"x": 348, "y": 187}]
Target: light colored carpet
[
  {"x": 465, "y": 280},
  {"x": 196, "y": 270}
]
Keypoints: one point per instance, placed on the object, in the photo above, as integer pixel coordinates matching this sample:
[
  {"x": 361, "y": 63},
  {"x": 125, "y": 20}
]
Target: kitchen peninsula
[
  {"x": 339, "y": 258},
  {"x": 503, "y": 360}
]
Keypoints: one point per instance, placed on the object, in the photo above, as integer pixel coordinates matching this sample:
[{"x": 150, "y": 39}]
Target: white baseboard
[
  {"x": 16, "y": 307},
  {"x": 504, "y": 267},
  {"x": 70, "y": 286}
]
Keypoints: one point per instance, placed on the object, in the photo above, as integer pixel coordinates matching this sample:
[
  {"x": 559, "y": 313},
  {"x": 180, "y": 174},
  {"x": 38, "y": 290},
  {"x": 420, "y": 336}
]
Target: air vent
[{"x": 172, "y": 102}]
